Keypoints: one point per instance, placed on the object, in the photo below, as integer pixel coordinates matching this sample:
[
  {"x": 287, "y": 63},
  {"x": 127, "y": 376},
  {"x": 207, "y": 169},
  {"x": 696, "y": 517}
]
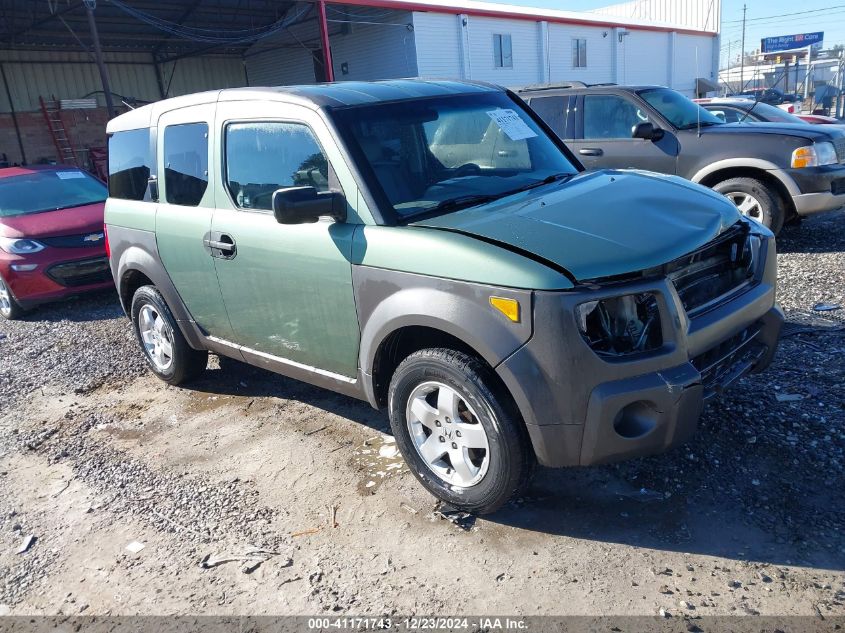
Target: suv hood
[
  {"x": 811, "y": 132},
  {"x": 601, "y": 223}
]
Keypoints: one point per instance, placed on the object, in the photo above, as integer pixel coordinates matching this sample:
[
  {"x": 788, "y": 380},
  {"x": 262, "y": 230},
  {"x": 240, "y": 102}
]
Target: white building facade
[{"x": 675, "y": 44}]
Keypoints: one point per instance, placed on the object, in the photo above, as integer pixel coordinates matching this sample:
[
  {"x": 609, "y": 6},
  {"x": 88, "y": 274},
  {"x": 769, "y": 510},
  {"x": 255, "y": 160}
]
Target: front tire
[
  {"x": 165, "y": 348},
  {"x": 756, "y": 200},
  {"x": 10, "y": 309},
  {"x": 458, "y": 430}
]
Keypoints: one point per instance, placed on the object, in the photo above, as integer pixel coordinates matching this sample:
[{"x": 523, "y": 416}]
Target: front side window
[
  {"x": 681, "y": 112},
  {"x": 41, "y": 190},
  {"x": 130, "y": 164},
  {"x": 610, "y": 117},
  {"x": 443, "y": 154},
  {"x": 262, "y": 157},
  {"x": 502, "y": 51},
  {"x": 185, "y": 163},
  {"x": 579, "y": 53}
]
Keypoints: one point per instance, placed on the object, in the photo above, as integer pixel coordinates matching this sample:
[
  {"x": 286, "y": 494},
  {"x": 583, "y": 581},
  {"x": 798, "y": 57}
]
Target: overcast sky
[{"x": 765, "y": 18}]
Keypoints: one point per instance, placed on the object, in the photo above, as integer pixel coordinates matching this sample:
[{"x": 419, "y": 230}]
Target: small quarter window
[
  {"x": 502, "y": 51},
  {"x": 130, "y": 164},
  {"x": 266, "y": 156},
  {"x": 579, "y": 53},
  {"x": 185, "y": 163}
]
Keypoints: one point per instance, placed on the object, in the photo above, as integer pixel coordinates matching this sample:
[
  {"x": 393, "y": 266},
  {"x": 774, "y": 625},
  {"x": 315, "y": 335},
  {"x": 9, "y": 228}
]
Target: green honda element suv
[{"x": 433, "y": 248}]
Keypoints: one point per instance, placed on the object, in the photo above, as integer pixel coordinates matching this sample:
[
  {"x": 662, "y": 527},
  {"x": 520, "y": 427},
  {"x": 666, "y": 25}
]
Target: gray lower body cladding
[{"x": 581, "y": 409}]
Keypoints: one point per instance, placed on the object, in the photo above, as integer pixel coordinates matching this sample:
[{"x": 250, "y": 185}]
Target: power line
[{"x": 782, "y": 15}]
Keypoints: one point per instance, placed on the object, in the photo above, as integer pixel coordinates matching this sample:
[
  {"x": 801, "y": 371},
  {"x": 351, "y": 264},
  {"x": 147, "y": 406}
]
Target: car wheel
[
  {"x": 458, "y": 430},
  {"x": 755, "y": 200},
  {"x": 10, "y": 309},
  {"x": 165, "y": 348}
]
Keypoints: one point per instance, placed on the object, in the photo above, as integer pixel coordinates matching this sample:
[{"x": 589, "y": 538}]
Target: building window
[
  {"x": 185, "y": 163},
  {"x": 502, "y": 51},
  {"x": 263, "y": 157},
  {"x": 579, "y": 53}
]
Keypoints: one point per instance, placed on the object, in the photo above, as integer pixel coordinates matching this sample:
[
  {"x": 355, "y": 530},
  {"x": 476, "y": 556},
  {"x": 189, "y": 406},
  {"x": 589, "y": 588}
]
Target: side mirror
[
  {"x": 647, "y": 131},
  {"x": 304, "y": 205}
]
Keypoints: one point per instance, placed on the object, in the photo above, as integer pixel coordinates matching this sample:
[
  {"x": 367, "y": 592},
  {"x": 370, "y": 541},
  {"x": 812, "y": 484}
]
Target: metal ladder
[{"x": 53, "y": 117}]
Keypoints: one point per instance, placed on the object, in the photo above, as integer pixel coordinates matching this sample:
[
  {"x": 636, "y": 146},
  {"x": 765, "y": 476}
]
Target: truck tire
[
  {"x": 756, "y": 200},
  {"x": 458, "y": 430},
  {"x": 165, "y": 348},
  {"x": 10, "y": 309}
]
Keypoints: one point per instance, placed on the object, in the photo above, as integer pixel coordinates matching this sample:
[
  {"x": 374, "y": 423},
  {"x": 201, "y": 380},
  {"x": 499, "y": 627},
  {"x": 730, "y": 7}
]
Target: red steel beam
[{"x": 324, "y": 40}]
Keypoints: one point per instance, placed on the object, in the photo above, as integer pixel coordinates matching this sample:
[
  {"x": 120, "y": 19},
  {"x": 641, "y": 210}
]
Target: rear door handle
[
  {"x": 591, "y": 151},
  {"x": 220, "y": 245}
]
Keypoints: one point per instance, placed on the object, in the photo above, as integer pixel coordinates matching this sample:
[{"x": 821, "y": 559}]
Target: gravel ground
[{"x": 748, "y": 517}]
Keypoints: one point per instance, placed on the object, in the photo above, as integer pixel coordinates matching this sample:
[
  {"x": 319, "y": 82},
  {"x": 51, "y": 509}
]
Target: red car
[
  {"x": 819, "y": 119},
  {"x": 52, "y": 239}
]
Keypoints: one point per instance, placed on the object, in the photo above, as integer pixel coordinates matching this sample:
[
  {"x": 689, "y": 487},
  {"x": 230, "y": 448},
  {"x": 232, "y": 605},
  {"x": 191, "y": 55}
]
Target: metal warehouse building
[{"x": 53, "y": 105}]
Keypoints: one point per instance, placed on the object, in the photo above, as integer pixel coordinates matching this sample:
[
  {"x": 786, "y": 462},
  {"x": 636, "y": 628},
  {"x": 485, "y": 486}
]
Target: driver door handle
[{"x": 591, "y": 151}]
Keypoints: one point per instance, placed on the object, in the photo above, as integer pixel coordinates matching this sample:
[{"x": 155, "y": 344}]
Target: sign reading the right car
[{"x": 790, "y": 42}]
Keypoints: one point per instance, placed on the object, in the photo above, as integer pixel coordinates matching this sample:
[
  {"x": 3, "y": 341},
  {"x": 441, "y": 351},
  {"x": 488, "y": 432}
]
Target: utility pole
[
  {"x": 742, "y": 52},
  {"x": 90, "y": 5}
]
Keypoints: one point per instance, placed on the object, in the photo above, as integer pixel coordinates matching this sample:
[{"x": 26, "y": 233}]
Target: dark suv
[{"x": 772, "y": 171}]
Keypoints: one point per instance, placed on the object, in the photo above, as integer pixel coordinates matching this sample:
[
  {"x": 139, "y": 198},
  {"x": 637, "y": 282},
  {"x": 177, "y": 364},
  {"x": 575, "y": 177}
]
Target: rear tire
[
  {"x": 458, "y": 430},
  {"x": 165, "y": 348},
  {"x": 755, "y": 199},
  {"x": 10, "y": 309}
]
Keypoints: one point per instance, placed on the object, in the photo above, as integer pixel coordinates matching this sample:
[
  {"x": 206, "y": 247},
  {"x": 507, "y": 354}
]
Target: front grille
[
  {"x": 839, "y": 144},
  {"x": 80, "y": 273},
  {"x": 728, "y": 361},
  {"x": 710, "y": 275},
  {"x": 85, "y": 240}
]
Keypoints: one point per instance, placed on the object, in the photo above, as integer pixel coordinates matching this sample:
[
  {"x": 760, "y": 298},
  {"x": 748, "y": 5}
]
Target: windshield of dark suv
[
  {"x": 682, "y": 113},
  {"x": 443, "y": 154}
]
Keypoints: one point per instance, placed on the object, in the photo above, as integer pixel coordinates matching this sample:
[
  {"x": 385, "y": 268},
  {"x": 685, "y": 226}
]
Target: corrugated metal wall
[
  {"x": 704, "y": 15},
  {"x": 73, "y": 75},
  {"x": 366, "y": 43},
  {"x": 438, "y": 44}
]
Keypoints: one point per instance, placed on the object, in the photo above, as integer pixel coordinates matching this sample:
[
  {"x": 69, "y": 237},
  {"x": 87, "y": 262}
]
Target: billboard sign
[{"x": 790, "y": 42}]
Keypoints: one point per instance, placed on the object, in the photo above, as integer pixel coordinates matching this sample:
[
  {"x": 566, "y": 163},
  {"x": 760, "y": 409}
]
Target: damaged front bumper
[{"x": 583, "y": 409}]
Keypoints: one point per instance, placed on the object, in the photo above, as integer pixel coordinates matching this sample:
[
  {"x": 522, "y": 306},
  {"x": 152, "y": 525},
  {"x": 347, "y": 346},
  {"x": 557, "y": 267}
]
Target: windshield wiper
[
  {"x": 545, "y": 181},
  {"x": 472, "y": 200}
]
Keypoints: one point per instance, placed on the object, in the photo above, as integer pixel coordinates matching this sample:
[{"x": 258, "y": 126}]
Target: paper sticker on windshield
[
  {"x": 69, "y": 175},
  {"x": 511, "y": 124}
]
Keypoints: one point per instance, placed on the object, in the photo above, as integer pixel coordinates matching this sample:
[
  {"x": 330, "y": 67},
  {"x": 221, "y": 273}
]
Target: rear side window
[
  {"x": 185, "y": 163},
  {"x": 262, "y": 157},
  {"x": 130, "y": 164},
  {"x": 554, "y": 111}
]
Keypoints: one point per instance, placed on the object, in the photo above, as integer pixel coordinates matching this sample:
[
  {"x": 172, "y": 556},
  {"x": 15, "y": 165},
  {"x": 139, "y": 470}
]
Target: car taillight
[{"x": 106, "y": 236}]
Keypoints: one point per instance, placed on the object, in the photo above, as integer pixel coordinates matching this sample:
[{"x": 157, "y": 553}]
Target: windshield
[
  {"x": 440, "y": 155},
  {"x": 682, "y": 113},
  {"x": 773, "y": 114},
  {"x": 48, "y": 190}
]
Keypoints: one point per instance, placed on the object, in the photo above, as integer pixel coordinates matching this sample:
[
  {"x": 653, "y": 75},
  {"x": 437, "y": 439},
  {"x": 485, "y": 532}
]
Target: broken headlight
[{"x": 617, "y": 326}]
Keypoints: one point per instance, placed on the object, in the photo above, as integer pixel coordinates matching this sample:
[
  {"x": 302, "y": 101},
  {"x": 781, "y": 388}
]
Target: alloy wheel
[
  {"x": 447, "y": 434},
  {"x": 5, "y": 298},
  {"x": 156, "y": 336},
  {"x": 747, "y": 204}
]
